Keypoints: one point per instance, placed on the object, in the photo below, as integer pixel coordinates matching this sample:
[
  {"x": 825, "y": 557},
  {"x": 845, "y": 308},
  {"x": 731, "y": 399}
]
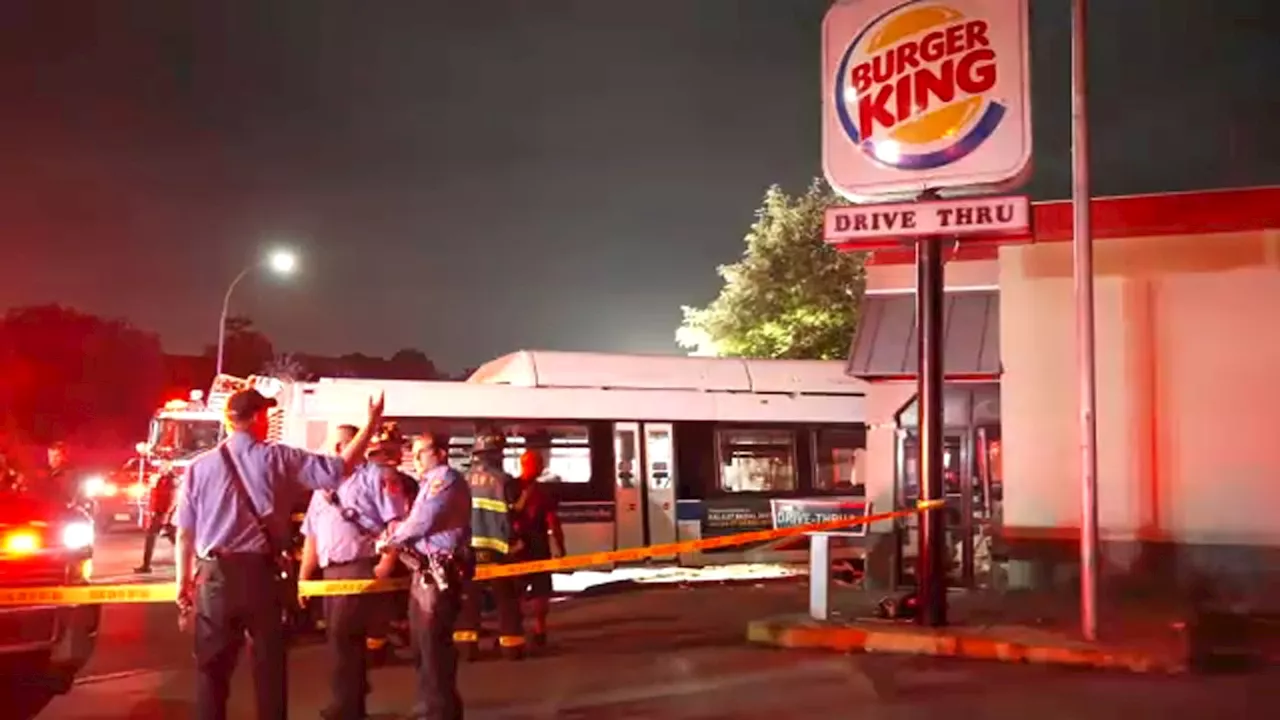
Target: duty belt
[{"x": 441, "y": 569}]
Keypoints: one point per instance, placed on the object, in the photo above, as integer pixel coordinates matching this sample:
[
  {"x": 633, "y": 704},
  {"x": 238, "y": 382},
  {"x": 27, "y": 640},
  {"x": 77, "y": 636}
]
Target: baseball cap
[{"x": 245, "y": 404}]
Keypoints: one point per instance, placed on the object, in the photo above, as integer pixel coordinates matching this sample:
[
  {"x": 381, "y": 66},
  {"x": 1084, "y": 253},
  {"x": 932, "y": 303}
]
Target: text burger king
[{"x": 925, "y": 95}]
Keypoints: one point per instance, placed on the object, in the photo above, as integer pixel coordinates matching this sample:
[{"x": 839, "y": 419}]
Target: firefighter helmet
[
  {"x": 388, "y": 436},
  {"x": 488, "y": 440}
]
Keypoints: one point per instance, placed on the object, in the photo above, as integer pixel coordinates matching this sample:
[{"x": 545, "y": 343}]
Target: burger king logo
[{"x": 915, "y": 89}]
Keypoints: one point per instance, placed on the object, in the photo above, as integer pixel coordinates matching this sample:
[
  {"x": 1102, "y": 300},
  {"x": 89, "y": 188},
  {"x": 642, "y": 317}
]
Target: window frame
[
  {"x": 815, "y": 460},
  {"x": 718, "y": 490}
]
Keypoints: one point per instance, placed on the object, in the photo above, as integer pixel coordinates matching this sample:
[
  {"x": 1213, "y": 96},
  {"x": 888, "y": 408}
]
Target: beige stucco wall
[
  {"x": 1188, "y": 379},
  {"x": 964, "y": 274}
]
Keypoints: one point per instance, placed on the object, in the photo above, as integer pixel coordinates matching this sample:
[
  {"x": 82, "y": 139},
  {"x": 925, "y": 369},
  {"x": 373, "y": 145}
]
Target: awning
[{"x": 885, "y": 344}]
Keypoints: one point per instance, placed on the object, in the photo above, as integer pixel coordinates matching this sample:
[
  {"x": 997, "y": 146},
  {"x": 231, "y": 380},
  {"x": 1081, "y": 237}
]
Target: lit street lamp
[{"x": 281, "y": 262}]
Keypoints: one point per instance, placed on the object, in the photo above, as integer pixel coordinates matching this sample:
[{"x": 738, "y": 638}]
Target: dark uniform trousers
[
  {"x": 506, "y": 595},
  {"x": 432, "y": 615},
  {"x": 157, "y": 525},
  {"x": 239, "y": 594},
  {"x": 348, "y": 620}
]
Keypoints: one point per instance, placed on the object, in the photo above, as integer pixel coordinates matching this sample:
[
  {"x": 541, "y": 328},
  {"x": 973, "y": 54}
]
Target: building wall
[
  {"x": 1188, "y": 408},
  {"x": 959, "y": 275}
]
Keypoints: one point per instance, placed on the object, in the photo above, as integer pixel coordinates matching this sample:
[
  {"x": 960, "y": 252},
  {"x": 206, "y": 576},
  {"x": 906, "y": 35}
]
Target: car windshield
[{"x": 180, "y": 438}]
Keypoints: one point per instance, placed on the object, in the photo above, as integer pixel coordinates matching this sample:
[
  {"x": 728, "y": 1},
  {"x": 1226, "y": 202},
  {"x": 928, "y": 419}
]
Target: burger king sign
[{"x": 925, "y": 94}]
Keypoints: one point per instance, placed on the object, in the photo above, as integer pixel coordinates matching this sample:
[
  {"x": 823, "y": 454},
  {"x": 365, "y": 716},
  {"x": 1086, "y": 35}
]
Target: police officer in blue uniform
[
  {"x": 341, "y": 529},
  {"x": 232, "y": 518},
  {"x": 435, "y": 542}
]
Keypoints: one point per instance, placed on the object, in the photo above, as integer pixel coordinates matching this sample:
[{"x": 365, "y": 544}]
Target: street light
[{"x": 280, "y": 262}]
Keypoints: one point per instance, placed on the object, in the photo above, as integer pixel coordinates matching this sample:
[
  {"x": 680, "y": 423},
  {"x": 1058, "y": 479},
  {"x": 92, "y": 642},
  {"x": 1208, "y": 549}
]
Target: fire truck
[{"x": 183, "y": 428}]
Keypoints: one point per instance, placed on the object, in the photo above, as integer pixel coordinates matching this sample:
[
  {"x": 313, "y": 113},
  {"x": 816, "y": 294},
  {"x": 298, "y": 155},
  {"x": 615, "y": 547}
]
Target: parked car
[
  {"x": 44, "y": 543},
  {"x": 117, "y": 498}
]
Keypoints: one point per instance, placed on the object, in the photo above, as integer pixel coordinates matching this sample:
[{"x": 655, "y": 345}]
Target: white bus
[{"x": 640, "y": 450}]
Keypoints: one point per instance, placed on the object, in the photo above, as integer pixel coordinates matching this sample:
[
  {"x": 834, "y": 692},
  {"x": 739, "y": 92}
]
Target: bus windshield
[{"x": 182, "y": 438}]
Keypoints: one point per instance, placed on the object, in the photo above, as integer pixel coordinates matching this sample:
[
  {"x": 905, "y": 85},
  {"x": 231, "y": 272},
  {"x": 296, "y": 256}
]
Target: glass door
[{"x": 955, "y": 477}]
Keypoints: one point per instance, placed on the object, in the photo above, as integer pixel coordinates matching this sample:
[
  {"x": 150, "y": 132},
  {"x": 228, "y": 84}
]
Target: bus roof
[
  {"x": 552, "y": 369},
  {"x": 346, "y": 399}
]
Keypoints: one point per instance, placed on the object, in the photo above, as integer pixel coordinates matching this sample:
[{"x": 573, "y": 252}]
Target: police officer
[
  {"x": 231, "y": 517},
  {"x": 58, "y": 480},
  {"x": 341, "y": 529},
  {"x": 310, "y": 614},
  {"x": 493, "y": 492},
  {"x": 436, "y": 542}
]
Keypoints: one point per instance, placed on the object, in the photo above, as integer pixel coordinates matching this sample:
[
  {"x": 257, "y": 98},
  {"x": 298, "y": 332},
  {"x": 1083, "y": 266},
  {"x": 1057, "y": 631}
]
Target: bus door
[
  {"x": 660, "y": 486},
  {"x": 629, "y": 515},
  {"x": 644, "y": 484}
]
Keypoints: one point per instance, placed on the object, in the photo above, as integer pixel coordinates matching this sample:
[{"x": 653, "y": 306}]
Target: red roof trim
[
  {"x": 1187, "y": 213},
  {"x": 948, "y": 377}
]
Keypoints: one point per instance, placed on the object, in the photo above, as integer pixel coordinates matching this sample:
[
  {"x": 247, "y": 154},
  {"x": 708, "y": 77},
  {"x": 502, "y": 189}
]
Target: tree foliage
[
  {"x": 246, "y": 349},
  {"x": 68, "y": 375},
  {"x": 790, "y": 296},
  {"x": 286, "y": 366}
]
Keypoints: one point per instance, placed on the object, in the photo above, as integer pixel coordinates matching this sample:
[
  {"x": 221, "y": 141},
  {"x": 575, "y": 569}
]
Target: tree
[
  {"x": 286, "y": 367},
  {"x": 246, "y": 350},
  {"x": 65, "y": 374},
  {"x": 410, "y": 364},
  {"x": 790, "y": 296}
]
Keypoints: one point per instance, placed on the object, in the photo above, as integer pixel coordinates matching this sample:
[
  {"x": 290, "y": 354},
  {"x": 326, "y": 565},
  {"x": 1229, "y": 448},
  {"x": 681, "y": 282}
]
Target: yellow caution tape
[
  {"x": 89, "y": 594},
  {"x": 167, "y": 592}
]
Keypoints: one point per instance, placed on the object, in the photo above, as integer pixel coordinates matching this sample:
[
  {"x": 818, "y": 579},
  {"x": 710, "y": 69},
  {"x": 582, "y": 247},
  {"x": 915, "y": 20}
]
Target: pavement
[
  {"x": 665, "y": 650},
  {"x": 679, "y": 652}
]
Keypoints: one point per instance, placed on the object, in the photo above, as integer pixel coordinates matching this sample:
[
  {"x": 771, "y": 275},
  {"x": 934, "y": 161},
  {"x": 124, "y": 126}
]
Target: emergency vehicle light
[{"x": 20, "y": 542}]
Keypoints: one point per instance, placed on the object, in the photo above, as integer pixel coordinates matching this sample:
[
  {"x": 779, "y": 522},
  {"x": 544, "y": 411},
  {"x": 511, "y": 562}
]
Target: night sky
[{"x": 471, "y": 178}]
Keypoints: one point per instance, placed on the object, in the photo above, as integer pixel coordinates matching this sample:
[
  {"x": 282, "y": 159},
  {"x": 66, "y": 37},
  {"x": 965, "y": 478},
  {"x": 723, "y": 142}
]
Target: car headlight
[
  {"x": 93, "y": 486},
  {"x": 77, "y": 535}
]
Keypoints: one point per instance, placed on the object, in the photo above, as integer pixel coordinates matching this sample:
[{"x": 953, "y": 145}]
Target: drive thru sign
[
  {"x": 993, "y": 218},
  {"x": 921, "y": 95}
]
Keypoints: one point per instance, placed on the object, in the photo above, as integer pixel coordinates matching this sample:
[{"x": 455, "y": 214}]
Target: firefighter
[
  {"x": 541, "y": 538},
  {"x": 159, "y": 507},
  {"x": 386, "y": 450},
  {"x": 493, "y": 492}
]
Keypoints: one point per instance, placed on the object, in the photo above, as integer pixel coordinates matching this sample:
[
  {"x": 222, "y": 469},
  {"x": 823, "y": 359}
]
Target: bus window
[
  {"x": 565, "y": 450},
  {"x": 756, "y": 460},
  {"x": 836, "y": 460}
]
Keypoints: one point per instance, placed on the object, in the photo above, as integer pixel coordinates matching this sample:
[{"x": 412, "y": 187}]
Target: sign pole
[
  {"x": 1082, "y": 253},
  {"x": 931, "y": 568}
]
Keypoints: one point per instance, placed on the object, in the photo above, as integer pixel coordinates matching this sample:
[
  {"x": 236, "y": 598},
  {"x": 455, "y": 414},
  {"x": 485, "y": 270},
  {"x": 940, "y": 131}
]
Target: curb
[{"x": 957, "y": 643}]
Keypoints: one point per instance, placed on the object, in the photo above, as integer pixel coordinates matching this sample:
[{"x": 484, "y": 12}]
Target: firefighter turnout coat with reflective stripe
[{"x": 493, "y": 491}]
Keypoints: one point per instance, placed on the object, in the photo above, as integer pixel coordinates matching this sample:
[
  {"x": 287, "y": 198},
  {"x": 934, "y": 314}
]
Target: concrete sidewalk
[{"x": 1138, "y": 635}]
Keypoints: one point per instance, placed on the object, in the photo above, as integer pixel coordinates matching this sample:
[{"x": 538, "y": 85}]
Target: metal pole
[
  {"x": 931, "y": 570},
  {"x": 1082, "y": 247},
  {"x": 222, "y": 319}
]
